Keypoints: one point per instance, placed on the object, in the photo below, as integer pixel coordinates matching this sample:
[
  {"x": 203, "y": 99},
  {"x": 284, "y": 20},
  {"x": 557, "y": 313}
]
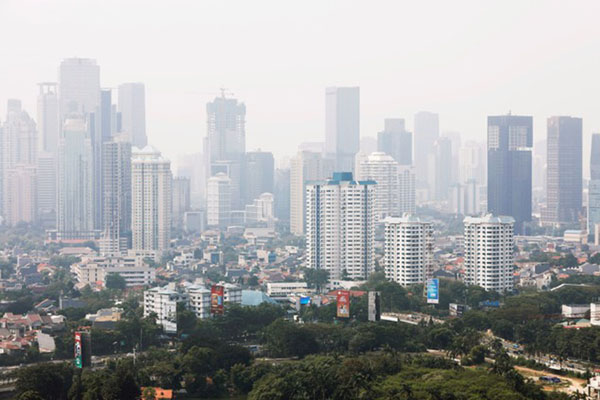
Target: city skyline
[{"x": 468, "y": 88}]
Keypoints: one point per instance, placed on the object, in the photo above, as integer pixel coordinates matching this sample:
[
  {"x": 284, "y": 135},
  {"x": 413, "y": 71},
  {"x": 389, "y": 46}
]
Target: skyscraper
[
  {"x": 384, "y": 170},
  {"x": 564, "y": 172},
  {"x": 78, "y": 87},
  {"x": 75, "y": 217},
  {"x": 340, "y": 226},
  {"x": 489, "y": 242},
  {"x": 594, "y": 186},
  {"x": 19, "y": 158},
  {"x": 46, "y": 188},
  {"x": 225, "y": 143},
  {"x": 396, "y": 141},
  {"x": 305, "y": 166},
  {"x": 342, "y": 126},
  {"x": 259, "y": 172},
  {"x": 218, "y": 200},
  {"x": 281, "y": 194},
  {"x": 408, "y": 249},
  {"x": 440, "y": 168},
  {"x": 181, "y": 199},
  {"x": 426, "y": 131},
  {"x": 510, "y": 138},
  {"x": 116, "y": 179},
  {"x": 151, "y": 181},
  {"x": 132, "y": 107},
  {"x": 47, "y": 118}
]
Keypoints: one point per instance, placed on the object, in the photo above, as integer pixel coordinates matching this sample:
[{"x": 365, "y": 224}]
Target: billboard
[
  {"x": 433, "y": 291},
  {"x": 374, "y": 306},
  {"x": 83, "y": 349},
  {"x": 78, "y": 350},
  {"x": 304, "y": 300},
  {"x": 217, "y": 294},
  {"x": 343, "y": 304}
]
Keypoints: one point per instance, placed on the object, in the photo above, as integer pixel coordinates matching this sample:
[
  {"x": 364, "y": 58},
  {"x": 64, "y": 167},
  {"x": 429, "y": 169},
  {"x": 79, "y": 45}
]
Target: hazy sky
[{"x": 463, "y": 59}]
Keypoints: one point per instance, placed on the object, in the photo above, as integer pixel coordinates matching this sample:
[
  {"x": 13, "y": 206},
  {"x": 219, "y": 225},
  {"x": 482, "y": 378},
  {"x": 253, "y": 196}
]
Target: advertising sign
[
  {"x": 304, "y": 300},
  {"x": 78, "y": 350},
  {"x": 433, "y": 291},
  {"x": 343, "y": 304},
  {"x": 217, "y": 294}
]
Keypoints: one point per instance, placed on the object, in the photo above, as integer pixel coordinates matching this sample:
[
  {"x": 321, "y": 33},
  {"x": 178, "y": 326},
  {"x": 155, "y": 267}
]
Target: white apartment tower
[
  {"x": 151, "y": 182},
  {"x": 218, "y": 200},
  {"x": 340, "y": 226},
  {"x": 305, "y": 166},
  {"x": 132, "y": 106},
  {"x": 408, "y": 250},
  {"x": 489, "y": 242}
]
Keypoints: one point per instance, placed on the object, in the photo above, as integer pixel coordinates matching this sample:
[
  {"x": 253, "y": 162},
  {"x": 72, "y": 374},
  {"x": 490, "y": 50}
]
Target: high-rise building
[
  {"x": 304, "y": 167},
  {"x": 218, "y": 200},
  {"x": 465, "y": 198},
  {"x": 594, "y": 186},
  {"x": 181, "y": 199},
  {"x": 151, "y": 181},
  {"x": 471, "y": 164},
  {"x": 340, "y": 226},
  {"x": 78, "y": 87},
  {"x": 259, "y": 174},
  {"x": 396, "y": 141},
  {"x": 342, "y": 126},
  {"x": 408, "y": 249},
  {"x": 225, "y": 143},
  {"x": 440, "y": 168},
  {"x": 47, "y": 118},
  {"x": 282, "y": 195},
  {"x": 46, "y": 188},
  {"x": 132, "y": 108},
  {"x": 18, "y": 165},
  {"x": 489, "y": 257},
  {"x": 564, "y": 182},
  {"x": 75, "y": 217},
  {"x": 116, "y": 179},
  {"x": 510, "y": 138},
  {"x": 407, "y": 189},
  {"x": 426, "y": 131},
  {"x": 384, "y": 170}
]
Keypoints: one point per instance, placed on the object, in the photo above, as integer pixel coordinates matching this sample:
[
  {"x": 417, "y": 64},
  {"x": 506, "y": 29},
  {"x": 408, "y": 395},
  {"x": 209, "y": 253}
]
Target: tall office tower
[
  {"x": 304, "y": 167},
  {"x": 132, "y": 108},
  {"x": 340, "y": 226},
  {"x": 78, "y": 87},
  {"x": 151, "y": 181},
  {"x": 116, "y": 190},
  {"x": 510, "y": 138},
  {"x": 471, "y": 164},
  {"x": 46, "y": 188},
  {"x": 564, "y": 184},
  {"x": 181, "y": 199},
  {"x": 440, "y": 168},
  {"x": 407, "y": 189},
  {"x": 382, "y": 168},
  {"x": 408, "y": 250},
  {"x": 281, "y": 195},
  {"x": 47, "y": 118},
  {"x": 218, "y": 200},
  {"x": 191, "y": 166},
  {"x": 426, "y": 131},
  {"x": 594, "y": 186},
  {"x": 489, "y": 252},
  {"x": 75, "y": 216},
  {"x": 19, "y": 158},
  {"x": 225, "y": 143},
  {"x": 342, "y": 126},
  {"x": 396, "y": 141},
  {"x": 259, "y": 171}
]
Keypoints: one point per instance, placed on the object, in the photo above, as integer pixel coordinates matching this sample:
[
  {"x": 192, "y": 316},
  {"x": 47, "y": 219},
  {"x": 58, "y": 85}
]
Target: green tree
[{"x": 115, "y": 281}]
